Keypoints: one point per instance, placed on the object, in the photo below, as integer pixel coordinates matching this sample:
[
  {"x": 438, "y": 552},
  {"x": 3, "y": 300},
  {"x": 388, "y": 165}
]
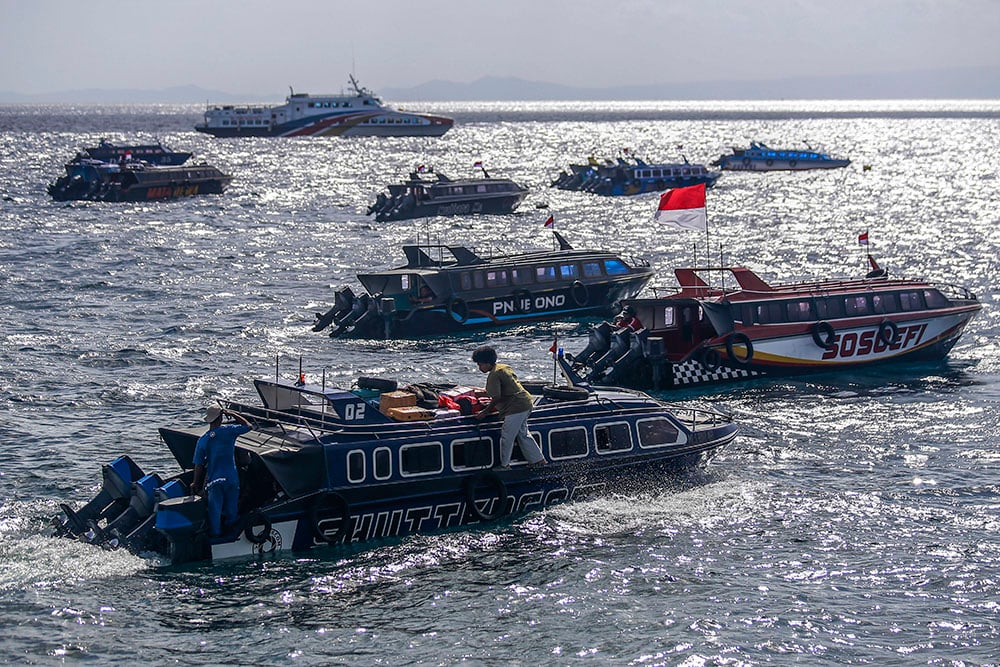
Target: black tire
[
  {"x": 710, "y": 359},
  {"x": 739, "y": 338},
  {"x": 265, "y": 532},
  {"x": 379, "y": 384},
  {"x": 520, "y": 296},
  {"x": 565, "y": 393},
  {"x": 770, "y": 163},
  {"x": 746, "y": 161},
  {"x": 888, "y": 332},
  {"x": 458, "y": 310},
  {"x": 329, "y": 505},
  {"x": 823, "y": 334},
  {"x": 579, "y": 293},
  {"x": 494, "y": 487}
]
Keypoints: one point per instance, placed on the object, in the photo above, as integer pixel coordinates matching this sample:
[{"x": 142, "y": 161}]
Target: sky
[{"x": 263, "y": 47}]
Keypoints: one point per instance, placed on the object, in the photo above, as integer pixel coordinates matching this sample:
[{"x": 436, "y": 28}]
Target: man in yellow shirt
[{"x": 512, "y": 402}]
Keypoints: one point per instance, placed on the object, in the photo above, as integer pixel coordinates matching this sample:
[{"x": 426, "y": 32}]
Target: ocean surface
[{"x": 856, "y": 519}]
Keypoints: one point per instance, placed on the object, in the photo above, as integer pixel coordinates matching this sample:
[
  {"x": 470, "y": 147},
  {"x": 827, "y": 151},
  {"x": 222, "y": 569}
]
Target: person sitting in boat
[
  {"x": 215, "y": 461},
  {"x": 627, "y": 319},
  {"x": 426, "y": 295},
  {"x": 513, "y": 403}
]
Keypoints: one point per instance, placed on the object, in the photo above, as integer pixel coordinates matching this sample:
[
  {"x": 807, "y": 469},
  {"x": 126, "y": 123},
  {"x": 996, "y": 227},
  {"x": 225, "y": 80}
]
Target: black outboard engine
[
  {"x": 143, "y": 537},
  {"x": 111, "y": 501},
  {"x": 359, "y": 307},
  {"x": 619, "y": 346},
  {"x": 600, "y": 340},
  {"x": 343, "y": 300},
  {"x": 636, "y": 352},
  {"x": 140, "y": 507},
  {"x": 184, "y": 522}
]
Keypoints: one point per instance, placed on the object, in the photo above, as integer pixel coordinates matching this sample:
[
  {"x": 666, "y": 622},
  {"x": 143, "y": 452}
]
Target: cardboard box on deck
[
  {"x": 410, "y": 413},
  {"x": 396, "y": 399}
]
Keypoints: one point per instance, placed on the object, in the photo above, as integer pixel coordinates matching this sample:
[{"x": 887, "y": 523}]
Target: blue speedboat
[
  {"x": 331, "y": 466},
  {"x": 764, "y": 158}
]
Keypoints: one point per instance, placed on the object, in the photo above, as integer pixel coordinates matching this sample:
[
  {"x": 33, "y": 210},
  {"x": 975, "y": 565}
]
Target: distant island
[{"x": 965, "y": 83}]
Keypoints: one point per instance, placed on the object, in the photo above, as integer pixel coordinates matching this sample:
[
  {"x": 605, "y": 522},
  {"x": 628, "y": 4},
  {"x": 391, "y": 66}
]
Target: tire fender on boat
[
  {"x": 770, "y": 163},
  {"x": 494, "y": 486},
  {"x": 823, "y": 334},
  {"x": 329, "y": 505},
  {"x": 458, "y": 310},
  {"x": 380, "y": 384},
  {"x": 710, "y": 358},
  {"x": 565, "y": 393},
  {"x": 888, "y": 332},
  {"x": 255, "y": 519},
  {"x": 792, "y": 163},
  {"x": 579, "y": 293},
  {"x": 735, "y": 339}
]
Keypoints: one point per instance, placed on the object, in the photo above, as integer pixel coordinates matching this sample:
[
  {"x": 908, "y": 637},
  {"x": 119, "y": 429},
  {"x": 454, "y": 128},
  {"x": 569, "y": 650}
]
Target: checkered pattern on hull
[{"x": 692, "y": 372}]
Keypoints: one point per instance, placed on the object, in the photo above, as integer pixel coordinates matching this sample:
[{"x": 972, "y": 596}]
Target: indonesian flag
[
  {"x": 863, "y": 239},
  {"x": 550, "y": 221},
  {"x": 683, "y": 208},
  {"x": 478, "y": 164}
]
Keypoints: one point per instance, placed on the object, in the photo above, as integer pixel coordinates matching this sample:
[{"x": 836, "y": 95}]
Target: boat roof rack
[{"x": 417, "y": 257}]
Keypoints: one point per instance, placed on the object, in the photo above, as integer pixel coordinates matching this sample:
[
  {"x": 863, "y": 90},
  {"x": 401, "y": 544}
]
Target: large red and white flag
[{"x": 683, "y": 208}]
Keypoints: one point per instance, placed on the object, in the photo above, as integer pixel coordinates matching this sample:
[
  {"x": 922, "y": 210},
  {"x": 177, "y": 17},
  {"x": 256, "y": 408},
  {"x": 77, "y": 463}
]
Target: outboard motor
[
  {"x": 359, "y": 307},
  {"x": 635, "y": 354},
  {"x": 600, "y": 340},
  {"x": 112, "y": 499},
  {"x": 656, "y": 355},
  {"x": 343, "y": 300},
  {"x": 140, "y": 507},
  {"x": 141, "y": 537},
  {"x": 619, "y": 346},
  {"x": 184, "y": 522}
]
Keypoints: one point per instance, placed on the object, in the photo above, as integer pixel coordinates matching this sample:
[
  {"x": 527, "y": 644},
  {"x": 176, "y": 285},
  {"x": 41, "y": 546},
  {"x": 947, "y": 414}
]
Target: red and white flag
[
  {"x": 863, "y": 239},
  {"x": 478, "y": 164},
  {"x": 550, "y": 221},
  {"x": 683, "y": 208}
]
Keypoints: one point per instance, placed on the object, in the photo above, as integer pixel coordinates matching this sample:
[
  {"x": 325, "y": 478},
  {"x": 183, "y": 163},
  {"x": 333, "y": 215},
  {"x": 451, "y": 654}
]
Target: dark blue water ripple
[{"x": 854, "y": 521}]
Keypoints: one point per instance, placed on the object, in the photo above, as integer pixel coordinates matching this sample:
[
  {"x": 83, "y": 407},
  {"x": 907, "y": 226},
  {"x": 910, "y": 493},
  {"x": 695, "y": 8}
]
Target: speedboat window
[
  {"x": 521, "y": 276},
  {"x": 356, "y": 466},
  {"x": 475, "y": 453},
  {"x": 497, "y": 279},
  {"x": 800, "y": 311},
  {"x": 591, "y": 269},
  {"x": 886, "y": 303},
  {"x": 569, "y": 271},
  {"x": 465, "y": 280},
  {"x": 911, "y": 301},
  {"x": 615, "y": 267},
  {"x": 545, "y": 274},
  {"x": 857, "y": 305},
  {"x": 423, "y": 459},
  {"x": 657, "y": 432},
  {"x": 383, "y": 463},
  {"x": 567, "y": 443},
  {"x": 935, "y": 299},
  {"x": 613, "y": 437}
]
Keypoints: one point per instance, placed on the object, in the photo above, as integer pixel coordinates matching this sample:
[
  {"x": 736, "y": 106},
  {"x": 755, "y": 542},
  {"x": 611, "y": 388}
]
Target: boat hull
[
  {"x": 65, "y": 190},
  {"x": 508, "y": 309},
  {"x": 501, "y": 205},
  {"x": 786, "y": 353},
  {"x": 343, "y": 125},
  {"x": 735, "y": 163}
]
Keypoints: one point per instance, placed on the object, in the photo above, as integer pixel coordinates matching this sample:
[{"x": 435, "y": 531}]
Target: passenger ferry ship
[
  {"x": 327, "y": 466},
  {"x": 706, "y": 335},
  {"x": 360, "y": 114},
  {"x": 450, "y": 289},
  {"x": 621, "y": 177},
  {"x": 763, "y": 158}
]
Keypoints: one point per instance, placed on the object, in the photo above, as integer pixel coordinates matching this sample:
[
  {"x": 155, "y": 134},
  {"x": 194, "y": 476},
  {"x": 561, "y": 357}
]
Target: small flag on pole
[
  {"x": 683, "y": 208},
  {"x": 863, "y": 239},
  {"x": 550, "y": 221},
  {"x": 478, "y": 164},
  {"x": 555, "y": 345}
]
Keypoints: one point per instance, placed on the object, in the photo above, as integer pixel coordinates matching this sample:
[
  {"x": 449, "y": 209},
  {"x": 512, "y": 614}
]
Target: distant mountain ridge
[{"x": 965, "y": 83}]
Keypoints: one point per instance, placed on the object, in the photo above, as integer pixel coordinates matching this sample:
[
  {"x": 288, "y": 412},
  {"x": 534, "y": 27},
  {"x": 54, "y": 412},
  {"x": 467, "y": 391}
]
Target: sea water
[{"x": 854, "y": 520}]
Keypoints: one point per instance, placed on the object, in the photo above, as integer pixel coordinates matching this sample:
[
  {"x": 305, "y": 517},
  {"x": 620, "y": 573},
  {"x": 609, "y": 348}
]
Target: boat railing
[{"x": 955, "y": 292}]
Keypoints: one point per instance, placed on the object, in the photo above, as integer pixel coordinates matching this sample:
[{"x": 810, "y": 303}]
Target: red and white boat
[{"x": 740, "y": 327}]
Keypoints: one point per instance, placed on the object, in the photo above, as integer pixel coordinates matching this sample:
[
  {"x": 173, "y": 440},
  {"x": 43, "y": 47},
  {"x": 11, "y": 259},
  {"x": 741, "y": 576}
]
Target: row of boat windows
[
  {"x": 428, "y": 458},
  {"x": 246, "y": 121},
  {"x": 455, "y": 190},
  {"x": 792, "y": 156},
  {"x": 548, "y": 273},
  {"x": 393, "y": 121},
  {"x": 667, "y": 173},
  {"x": 835, "y": 307}
]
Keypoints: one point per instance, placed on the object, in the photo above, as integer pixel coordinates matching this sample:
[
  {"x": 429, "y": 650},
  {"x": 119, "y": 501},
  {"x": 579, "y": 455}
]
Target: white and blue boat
[
  {"x": 326, "y": 466},
  {"x": 623, "y": 178},
  {"x": 760, "y": 157}
]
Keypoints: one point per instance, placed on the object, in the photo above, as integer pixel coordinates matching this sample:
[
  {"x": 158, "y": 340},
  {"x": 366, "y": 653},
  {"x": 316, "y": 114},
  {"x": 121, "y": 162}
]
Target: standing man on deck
[{"x": 216, "y": 454}]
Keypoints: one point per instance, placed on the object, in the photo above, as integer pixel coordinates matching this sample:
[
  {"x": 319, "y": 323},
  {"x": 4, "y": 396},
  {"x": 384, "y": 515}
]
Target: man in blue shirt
[{"x": 216, "y": 454}]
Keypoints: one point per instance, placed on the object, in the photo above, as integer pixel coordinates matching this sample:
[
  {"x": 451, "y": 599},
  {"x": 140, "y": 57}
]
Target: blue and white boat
[
  {"x": 326, "y": 466},
  {"x": 356, "y": 114},
  {"x": 764, "y": 158}
]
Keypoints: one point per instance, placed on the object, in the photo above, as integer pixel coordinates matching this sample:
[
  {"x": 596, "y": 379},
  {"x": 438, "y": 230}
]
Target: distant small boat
[
  {"x": 763, "y": 158},
  {"x": 621, "y": 177},
  {"x": 420, "y": 197},
  {"x": 155, "y": 154},
  {"x": 357, "y": 114},
  {"x": 92, "y": 180}
]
